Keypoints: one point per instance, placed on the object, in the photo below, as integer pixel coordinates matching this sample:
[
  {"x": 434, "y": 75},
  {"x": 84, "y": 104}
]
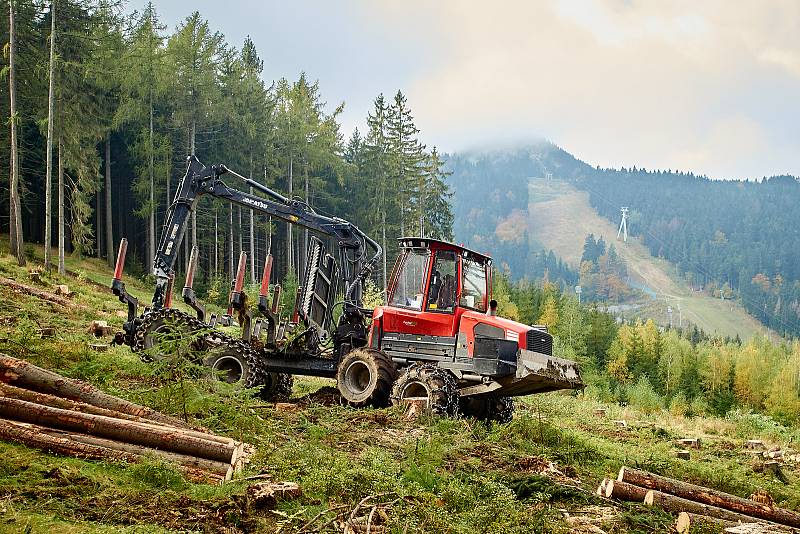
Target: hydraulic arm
[{"x": 200, "y": 180}]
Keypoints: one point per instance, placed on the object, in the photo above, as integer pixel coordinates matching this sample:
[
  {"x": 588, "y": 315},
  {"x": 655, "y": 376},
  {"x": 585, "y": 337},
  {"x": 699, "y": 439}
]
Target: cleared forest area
[
  {"x": 560, "y": 218},
  {"x": 426, "y": 474}
]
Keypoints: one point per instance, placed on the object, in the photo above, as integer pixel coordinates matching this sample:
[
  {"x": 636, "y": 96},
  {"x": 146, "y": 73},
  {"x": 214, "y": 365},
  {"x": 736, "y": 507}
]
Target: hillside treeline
[
  {"x": 728, "y": 238},
  {"x": 731, "y": 239},
  {"x": 115, "y": 103},
  {"x": 685, "y": 371}
]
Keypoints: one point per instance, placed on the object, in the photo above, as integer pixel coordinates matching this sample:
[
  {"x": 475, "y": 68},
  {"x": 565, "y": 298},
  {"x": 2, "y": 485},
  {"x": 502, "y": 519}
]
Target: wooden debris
[
  {"x": 286, "y": 407},
  {"x": 100, "y": 329},
  {"x": 690, "y": 443},
  {"x": 601, "y": 489},
  {"x": 416, "y": 406},
  {"x": 754, "y": 444},
  {"x": 775, "y": 455},
  {"x": 705, "y": 497},
  {"x": 63, "y": 289},
  {"x": 683, "y": 454},
  {"x": 266, "y": 494},
  {"x": 36, "y": 292},
  {"x": 47, "y": 331}
]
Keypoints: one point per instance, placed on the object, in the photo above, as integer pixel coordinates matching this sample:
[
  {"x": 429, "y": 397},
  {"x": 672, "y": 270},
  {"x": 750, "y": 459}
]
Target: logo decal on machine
[{"x": 512, "y": 336}]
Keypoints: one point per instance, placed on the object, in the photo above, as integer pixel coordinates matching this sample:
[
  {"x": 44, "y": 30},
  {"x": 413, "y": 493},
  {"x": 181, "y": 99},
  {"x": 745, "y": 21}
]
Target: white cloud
[{"x": 709, "y": 86}]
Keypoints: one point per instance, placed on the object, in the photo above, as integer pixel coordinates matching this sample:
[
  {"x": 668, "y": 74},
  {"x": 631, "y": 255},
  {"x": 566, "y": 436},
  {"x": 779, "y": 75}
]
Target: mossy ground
[{"x": 443, "y": 475}]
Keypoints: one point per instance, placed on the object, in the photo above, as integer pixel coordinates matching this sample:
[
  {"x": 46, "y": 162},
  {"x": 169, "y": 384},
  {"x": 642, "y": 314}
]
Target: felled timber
[
  {"x": 707, "y": 496},
  {"x": 25, "y": 375}
]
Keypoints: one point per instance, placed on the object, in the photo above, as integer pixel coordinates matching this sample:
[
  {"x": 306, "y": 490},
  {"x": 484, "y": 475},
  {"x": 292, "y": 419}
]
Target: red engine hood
[{"x": 512, "y": 330}]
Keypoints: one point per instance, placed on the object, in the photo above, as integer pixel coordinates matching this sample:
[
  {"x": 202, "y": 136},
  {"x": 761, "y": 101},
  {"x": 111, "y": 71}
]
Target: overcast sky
[{"x": 708, "y": 86}]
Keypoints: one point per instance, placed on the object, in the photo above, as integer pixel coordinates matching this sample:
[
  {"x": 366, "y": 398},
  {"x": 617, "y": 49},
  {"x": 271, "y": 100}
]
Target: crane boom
[{"x": 200, "y": 180}]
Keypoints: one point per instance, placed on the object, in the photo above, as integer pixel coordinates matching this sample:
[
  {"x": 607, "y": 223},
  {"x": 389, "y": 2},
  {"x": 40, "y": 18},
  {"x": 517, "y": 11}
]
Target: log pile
[
  {"x": 44, "y": 410},
  {"x": 696, "y": 505}
]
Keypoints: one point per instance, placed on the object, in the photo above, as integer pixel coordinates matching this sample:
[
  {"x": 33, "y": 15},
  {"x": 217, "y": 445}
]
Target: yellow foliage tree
[{"x": 549, "y": 315}]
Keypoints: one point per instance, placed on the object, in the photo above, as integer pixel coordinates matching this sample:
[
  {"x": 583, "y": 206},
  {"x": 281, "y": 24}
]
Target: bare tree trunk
[
  {"x": 48, "y": 191},
  {"x": 61, "y": 269},
  {"x": 216, "y": 242},
  {"x": 151, "y": 220},
  {"x": 15, "y": 208},
  {"x": 230, "y": 243},
  {"x": 99, "y": 214},
  {"x": 109, "y": 221},
  {"x": 239, "y": 228},
  {"x": 289, "y": 258}
]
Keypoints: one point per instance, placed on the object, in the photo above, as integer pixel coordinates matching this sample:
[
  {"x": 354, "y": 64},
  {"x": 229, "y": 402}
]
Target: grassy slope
[
  {"x": 452, "y": 475},
  {"x": 561, "y": 218}
]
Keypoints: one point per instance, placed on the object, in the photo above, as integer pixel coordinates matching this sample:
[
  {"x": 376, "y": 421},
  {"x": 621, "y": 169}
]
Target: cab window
[
  {"x": 444, "y": 283},
  {"x": 409, "y": 286},
  {"x": 473, "y": 285}
]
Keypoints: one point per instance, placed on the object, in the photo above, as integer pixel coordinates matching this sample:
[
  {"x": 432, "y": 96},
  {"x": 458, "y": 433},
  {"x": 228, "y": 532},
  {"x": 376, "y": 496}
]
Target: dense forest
[
  {"x": 683, "y": 370},
  {"x": 105, "y": 106},
  {"x": 732, "y": 239}
]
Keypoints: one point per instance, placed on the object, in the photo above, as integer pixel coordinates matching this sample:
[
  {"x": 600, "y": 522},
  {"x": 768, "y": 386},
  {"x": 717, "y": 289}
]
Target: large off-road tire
[
  {"x": 365, "y": 377},
  {"x": 426, "y": 381},
  {"x": 276, "y": 386},
  {"x": 230, "y": 363},
  {"x": 498, "y": 409},
  {"x": 166, "y": 327}
]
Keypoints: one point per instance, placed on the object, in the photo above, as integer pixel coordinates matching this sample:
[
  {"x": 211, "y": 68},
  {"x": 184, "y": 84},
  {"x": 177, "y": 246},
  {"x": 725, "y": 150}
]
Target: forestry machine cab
[{"x": 437, "y": 339}]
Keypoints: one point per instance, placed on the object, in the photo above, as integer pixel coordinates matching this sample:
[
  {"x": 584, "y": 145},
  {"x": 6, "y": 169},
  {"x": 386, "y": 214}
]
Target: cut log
[
  {"x": 622, "y": 491},
  {"x": 676, "y": 505},
  {"x": 222, "y": 469},
  {"x": 36, "y": 292},
  {"x": 47, "y": 331},
  {"x": 26, "y": 375},
  {"x": 709, "y": 496},
  {"x": 621, "y": 423},
  {"x": 128, "y": 431},
  {"x": 687, "y": 521},
  {"x": 12, "y": 392},
  {"x": 601, "y": 489},
  {"x": 12, "y": 431}
]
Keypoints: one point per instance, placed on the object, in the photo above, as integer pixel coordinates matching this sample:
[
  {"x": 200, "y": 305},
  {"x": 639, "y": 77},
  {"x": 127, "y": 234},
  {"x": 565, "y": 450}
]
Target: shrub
[{"x": 644, "y": 397}]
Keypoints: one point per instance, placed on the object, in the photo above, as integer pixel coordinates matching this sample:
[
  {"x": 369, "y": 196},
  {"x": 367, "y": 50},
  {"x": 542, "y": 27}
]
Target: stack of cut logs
[
  {"x": 698, "y": 505},
  {"x": 44, "y": 410}
]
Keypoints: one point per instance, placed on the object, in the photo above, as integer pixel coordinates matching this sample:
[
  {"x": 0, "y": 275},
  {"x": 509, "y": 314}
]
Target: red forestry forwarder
[{"x": 437, "y": 340}]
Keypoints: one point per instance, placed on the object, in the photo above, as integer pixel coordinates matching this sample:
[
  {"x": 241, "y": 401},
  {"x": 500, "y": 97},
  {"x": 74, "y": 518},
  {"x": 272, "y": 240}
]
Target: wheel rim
[
  {"x": 358, "y": 377},
  {"x": 415, "y": 391},
  {"x": 231, "y": 367}
]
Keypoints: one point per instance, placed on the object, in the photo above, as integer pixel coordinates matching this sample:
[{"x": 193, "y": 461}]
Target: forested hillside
[
  {"x": 105, "y": 107},
  {"x": 731, "y": 239}
]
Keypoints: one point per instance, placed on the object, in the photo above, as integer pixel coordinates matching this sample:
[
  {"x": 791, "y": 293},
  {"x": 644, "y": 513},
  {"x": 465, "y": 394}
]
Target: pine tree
[
  {"x": 406, "y": 159},
  {"x": 15, "y": 208}
]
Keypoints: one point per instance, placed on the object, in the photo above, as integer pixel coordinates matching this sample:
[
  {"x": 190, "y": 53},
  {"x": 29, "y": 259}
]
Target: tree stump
[
  {"x": 621, "y": 423},
  {"x": 100, "y": 329},
  {"x": 684, "y": 454},
  {"x": 63, "y": 290},
  {"x": 690, "y": 443},
  {"x": 754, "y": 444},
  {"x": 600, "y": 412}
]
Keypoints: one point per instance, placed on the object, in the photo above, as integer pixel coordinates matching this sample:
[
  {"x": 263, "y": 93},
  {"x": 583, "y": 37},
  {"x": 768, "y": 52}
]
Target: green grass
[{"x": 440, "y": 475}]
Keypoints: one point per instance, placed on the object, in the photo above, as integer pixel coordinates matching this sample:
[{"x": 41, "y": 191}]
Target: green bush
[{"x": 644, "y": 397}]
